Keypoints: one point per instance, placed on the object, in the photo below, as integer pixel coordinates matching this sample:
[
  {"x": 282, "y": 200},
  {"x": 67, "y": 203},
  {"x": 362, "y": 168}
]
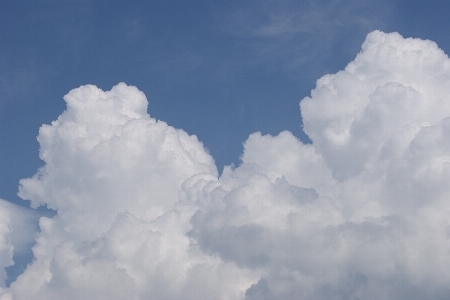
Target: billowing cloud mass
[
  {"x": 17, "y": 227},
  {"x": 6, "y": 246},
  {"x": 361, "y": 213}
]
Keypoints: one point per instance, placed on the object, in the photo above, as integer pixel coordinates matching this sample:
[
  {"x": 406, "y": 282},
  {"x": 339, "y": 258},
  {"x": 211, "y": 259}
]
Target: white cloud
[
  {"x": 105, "y": 155},
  {"x": 6, "y": 247},
  {"x": 17, "y": 227},
  {"x": 361, "y": 213},
  {"x": 394, "y": 87},
  {"x": 113, "y": 174}
]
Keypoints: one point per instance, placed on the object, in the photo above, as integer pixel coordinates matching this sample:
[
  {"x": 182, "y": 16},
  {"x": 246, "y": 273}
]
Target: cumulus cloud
[
  {"x": 6, "y": 247},
  {"x": 17, "y": 227},
  {"x": 361, "y": 213},
  {"x": 392, "y": 89},
  {"x": 113, "y": 174},
  {"x": 105, "y": 155}
]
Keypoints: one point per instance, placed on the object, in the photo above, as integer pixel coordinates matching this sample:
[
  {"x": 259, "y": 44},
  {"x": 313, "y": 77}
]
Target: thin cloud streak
[{"x": 284, "y": 32}]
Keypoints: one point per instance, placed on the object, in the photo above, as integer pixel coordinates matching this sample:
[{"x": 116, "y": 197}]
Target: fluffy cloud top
[
  {"x": 361, "y": 213},
  {"x": 105, "y": 155},
  {"x": 393, "y": 88}
]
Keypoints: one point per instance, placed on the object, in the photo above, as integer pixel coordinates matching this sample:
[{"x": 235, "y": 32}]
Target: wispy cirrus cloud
[{"x": 295, "y": 34}]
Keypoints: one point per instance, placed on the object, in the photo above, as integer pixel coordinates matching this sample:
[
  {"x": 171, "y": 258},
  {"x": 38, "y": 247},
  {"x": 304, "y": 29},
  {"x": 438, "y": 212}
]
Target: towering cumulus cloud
[{"x": 361, "y": 213}]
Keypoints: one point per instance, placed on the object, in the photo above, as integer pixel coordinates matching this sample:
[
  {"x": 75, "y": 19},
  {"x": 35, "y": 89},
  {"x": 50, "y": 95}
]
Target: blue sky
[{"x": 220, "y": 70}]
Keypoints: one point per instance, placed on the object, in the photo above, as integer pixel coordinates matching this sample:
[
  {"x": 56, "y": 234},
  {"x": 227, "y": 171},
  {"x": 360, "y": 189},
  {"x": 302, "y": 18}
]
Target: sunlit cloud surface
[{"x": 141, "y": 211}]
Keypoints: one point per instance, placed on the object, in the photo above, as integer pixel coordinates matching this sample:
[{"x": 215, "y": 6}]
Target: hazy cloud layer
[
  {"x": 285, "y": 31},
  {"x": 361, "y": 213}
]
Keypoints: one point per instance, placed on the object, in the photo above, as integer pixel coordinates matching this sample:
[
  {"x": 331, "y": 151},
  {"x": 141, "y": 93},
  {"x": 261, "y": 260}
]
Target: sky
[{"x": 224, "y": 150}]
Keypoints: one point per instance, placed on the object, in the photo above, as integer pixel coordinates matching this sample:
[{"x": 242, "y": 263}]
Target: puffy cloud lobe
[
  {"x": 17, "y": 227},
  {"x": 6, "y": 247},
  {"x": 113, "y": 174},
  {"x": 285, "y": 156},
  {"x": 105, "y": 155},
  {"x": 394, "y": 86},
  {"x": 134, "y": 259},
  {"x": 378, "y": 226},
  {"x": 361, "y": 213}
]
